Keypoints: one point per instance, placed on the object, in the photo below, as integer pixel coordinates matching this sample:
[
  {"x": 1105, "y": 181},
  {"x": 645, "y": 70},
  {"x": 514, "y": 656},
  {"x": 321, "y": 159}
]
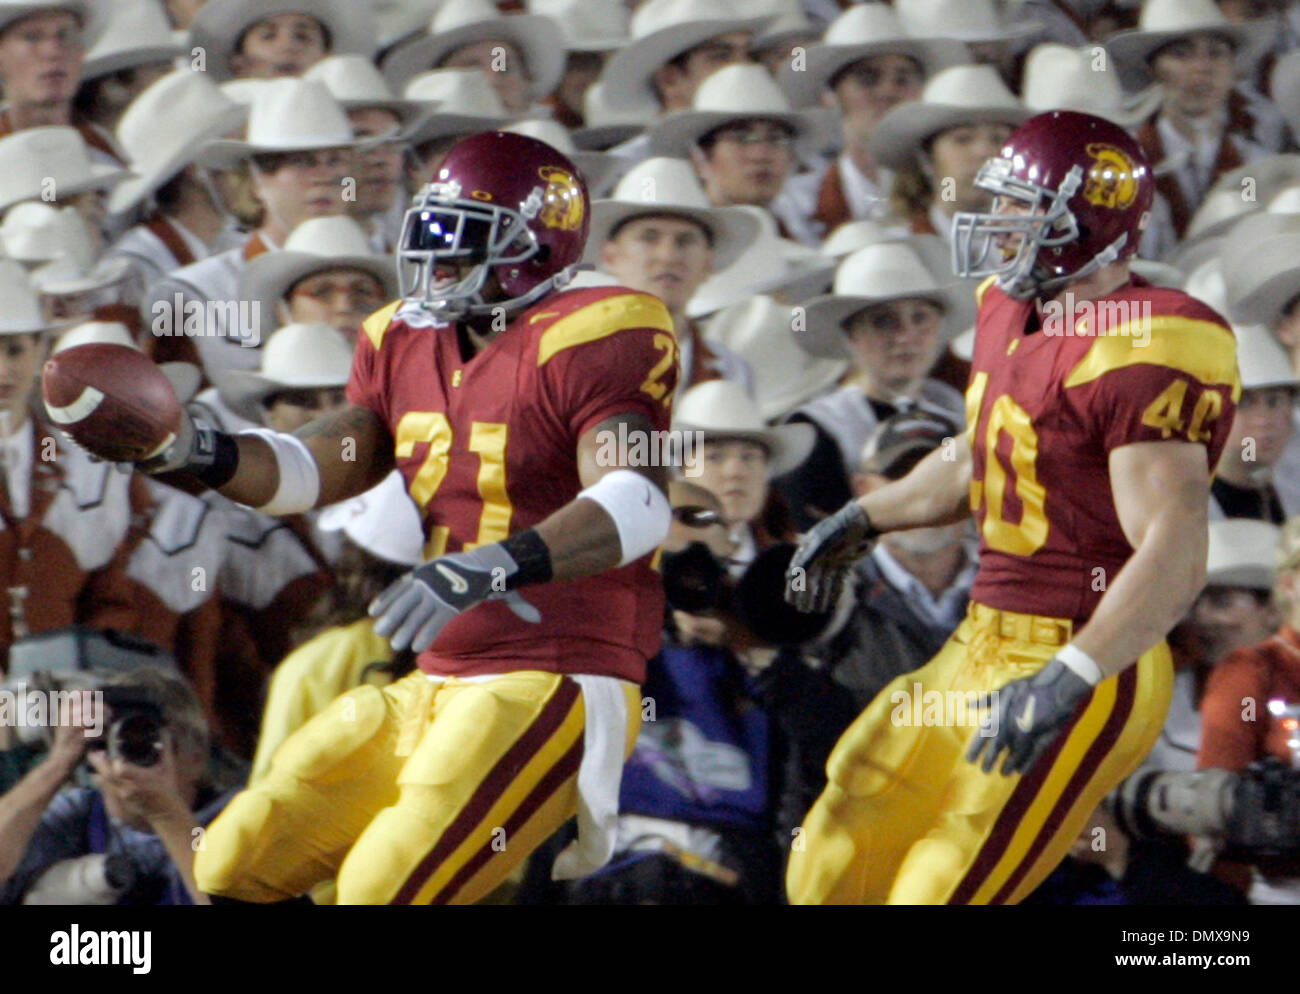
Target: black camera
[
  {"x": 1255, "y": 812},
  {"x": 696, "y": 581},
  {"x": 135, "y": 729}
]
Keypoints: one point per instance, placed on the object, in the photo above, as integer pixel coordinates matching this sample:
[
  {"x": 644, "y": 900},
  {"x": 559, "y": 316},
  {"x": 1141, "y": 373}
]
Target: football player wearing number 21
[
  {"x": 487, "y": 386},
  {"x": 1097, "y": 407}
]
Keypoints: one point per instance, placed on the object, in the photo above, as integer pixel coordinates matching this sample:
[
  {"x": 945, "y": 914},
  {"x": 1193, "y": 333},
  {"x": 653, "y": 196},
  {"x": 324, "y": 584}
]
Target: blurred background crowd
[{"x": 221, "y": 184}]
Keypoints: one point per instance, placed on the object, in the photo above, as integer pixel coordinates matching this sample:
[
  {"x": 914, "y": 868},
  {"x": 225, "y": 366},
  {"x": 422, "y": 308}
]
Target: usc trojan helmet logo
[
  {"x": 1111, "y": 177},
  {"x": 563, "y": 204}
]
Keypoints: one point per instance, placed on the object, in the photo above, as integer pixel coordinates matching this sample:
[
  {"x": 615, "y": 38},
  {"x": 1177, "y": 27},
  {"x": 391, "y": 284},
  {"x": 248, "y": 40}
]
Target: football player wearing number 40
[
  {"x": 1087, "y": 463},
  {"x": 488, "y": 386}
]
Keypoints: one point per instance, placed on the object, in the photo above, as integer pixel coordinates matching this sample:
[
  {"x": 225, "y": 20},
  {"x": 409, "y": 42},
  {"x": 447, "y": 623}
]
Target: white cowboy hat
[
  {"x": 288, "y": 115},
  {"x": 463, "y": 22},
  {"x": 861, "y": 32},
  {"x": 138, "y": 34},
  {"x": 1261, "y": 266},
  {"x": 721, "y": 407},
  {"x": 954, "y": 97},
  {"x": 244, "y": 92},
  {"x": 356, "y": 84},
  {"x": 315, "y": 245},
  {"x": 603, "y": 127},
  {"x": 971, "y": 21},
  {"x": 1225, "y": 205},
  {"x": 20, "y": 305},
  {"x": 384, "y": 521},
  {"x": 220, "y": 24},
  {"x": 184, "y": 377},
  {"x": 733, "y": 93},
  {"x": 587, "y": 25},
  {"x": 777, "y": 265},
  {"x": 963, "y": 345},
  {"x": 37, "y": 161},
  {"x": 599, "y": 169},
  {"x": 35, "y": 232},
  {"x": 815, "y": 278},
  {"x": 90, "y": 13},
  {"x": 1058, "y": 77},
  {"x": 669, "y": 186},
  {"x": 853, "y": 235},
  {"x": 303, "y": 356},
  {"x": 1286, "y": 201},
  {"x": 396, "y": 20},
  {"x": 164, "y": 128},
  {"x": 1165, "y": 21},
  {"x": 472, "y": 104},
  {"x": 785, "y": 376},
  {"x": 877, "y": 274},
  {"x": 1242, "y": 552},
  {"x": 1158, "y": 273},
  {"x": 1261, "y": 361},
  {"x": 789, "y": 25},
  {"x": 68, "y": 275},
  {"x": 661, "y": 31},
  {"x": 1284, "y": 88}
]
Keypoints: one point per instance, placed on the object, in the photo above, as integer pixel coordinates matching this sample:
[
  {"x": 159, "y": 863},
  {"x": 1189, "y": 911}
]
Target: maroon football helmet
[
  {"x": 1089, "y": 189},
  {"x": 504, "y": 203}
]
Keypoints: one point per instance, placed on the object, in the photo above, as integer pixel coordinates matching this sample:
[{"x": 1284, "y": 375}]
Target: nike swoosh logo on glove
[
  {"x": 458, "y": 584},
  {"x": 1026, "y": 720}
]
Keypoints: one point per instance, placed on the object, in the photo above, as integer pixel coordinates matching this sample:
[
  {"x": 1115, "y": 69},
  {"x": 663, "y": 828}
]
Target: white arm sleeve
[
  {"x": 640, "y": 511},
  {"x": 299, "y": 475}
]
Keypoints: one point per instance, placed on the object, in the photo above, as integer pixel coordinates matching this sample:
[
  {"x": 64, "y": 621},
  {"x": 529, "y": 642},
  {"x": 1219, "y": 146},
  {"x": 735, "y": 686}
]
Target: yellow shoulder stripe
[
  {"x": 982, "y": 289},
  {"x": 1202, "y": 349},
  {"x": 602, "y": 319},
  {"x": 376, "y": 325}
]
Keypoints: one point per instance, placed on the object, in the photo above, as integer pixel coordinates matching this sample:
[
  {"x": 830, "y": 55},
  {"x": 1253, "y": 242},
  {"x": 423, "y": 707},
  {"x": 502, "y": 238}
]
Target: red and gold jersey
[
  {"x": 489, "y": 447},
  {"x": 1045, "y": 409}
]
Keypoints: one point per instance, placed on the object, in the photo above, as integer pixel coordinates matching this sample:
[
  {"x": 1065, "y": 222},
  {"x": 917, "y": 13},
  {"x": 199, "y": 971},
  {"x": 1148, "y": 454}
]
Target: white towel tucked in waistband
[{"x": 599, "y": 778}]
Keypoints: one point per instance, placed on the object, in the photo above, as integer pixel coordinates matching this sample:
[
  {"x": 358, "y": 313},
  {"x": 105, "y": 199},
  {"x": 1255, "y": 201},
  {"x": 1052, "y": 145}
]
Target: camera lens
[{"x": 136, "y": 739}]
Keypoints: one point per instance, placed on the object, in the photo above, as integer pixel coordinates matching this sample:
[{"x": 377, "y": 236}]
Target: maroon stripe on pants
[
  {"x": 1004, "y": 828},
  {"x": 1125, "y": 695},
  {"x": 493, "y": 786},
  {"x": 557, "y": 775}
]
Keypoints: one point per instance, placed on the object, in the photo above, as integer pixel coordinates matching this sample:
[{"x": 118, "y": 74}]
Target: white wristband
[
  {"x": 640, "y": 511},
  {"x": 299, "y": 475},
  {"x": 1081, "y": 663}
]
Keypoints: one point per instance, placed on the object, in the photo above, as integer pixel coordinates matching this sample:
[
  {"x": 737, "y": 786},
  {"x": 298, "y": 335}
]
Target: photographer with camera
[
  {"x": 131, "y": 837},
  {"x": 908, "y": 597},
  {"x": 1244, "y": 711},
  {"x": 695, "y": 823}
]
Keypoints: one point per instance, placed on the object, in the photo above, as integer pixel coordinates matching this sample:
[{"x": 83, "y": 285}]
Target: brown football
[{"x": 113, "y": 400}]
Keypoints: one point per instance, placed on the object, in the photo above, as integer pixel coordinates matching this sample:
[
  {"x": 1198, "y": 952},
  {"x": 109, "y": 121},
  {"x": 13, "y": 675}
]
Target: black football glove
[
  {"x": 414, "y": 609},
  {"x": 194, "y": 445},
  {"x": 1026, "y": 716},
  {"x": 825, "y": 558}
]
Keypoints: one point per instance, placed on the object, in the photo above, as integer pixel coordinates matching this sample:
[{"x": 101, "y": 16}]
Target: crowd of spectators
[{"x": 222, "y": 184}]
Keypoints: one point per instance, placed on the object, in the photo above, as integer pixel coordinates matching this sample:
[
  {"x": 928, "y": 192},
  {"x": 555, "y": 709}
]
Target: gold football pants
[
  {"x": 905, "y": 819},
  {"x": 419, "y": 793}
]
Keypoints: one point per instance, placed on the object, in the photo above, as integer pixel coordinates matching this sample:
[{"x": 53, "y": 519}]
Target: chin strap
[{"x": 1029, "y": 286}]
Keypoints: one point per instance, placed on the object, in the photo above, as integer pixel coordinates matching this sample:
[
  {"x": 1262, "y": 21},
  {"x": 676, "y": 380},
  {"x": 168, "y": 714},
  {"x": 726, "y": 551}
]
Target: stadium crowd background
[{"x": 221, "y": 184}]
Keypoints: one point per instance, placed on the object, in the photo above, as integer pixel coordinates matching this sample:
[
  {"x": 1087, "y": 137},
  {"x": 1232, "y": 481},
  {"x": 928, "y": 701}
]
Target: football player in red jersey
[
  {"x": 490, "y": 388},
  {"x": 1097, "y": 408}
]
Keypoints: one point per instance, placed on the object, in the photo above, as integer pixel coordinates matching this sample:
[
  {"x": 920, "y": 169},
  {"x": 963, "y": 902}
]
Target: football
[{"x": 112, "y": 399}]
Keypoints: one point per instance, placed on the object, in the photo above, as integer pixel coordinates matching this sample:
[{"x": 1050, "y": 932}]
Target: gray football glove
[
  {"x": 1026, "y": 717},
  {"x": 825, "y": 558},
  {"x": 414, "y": 609}
]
